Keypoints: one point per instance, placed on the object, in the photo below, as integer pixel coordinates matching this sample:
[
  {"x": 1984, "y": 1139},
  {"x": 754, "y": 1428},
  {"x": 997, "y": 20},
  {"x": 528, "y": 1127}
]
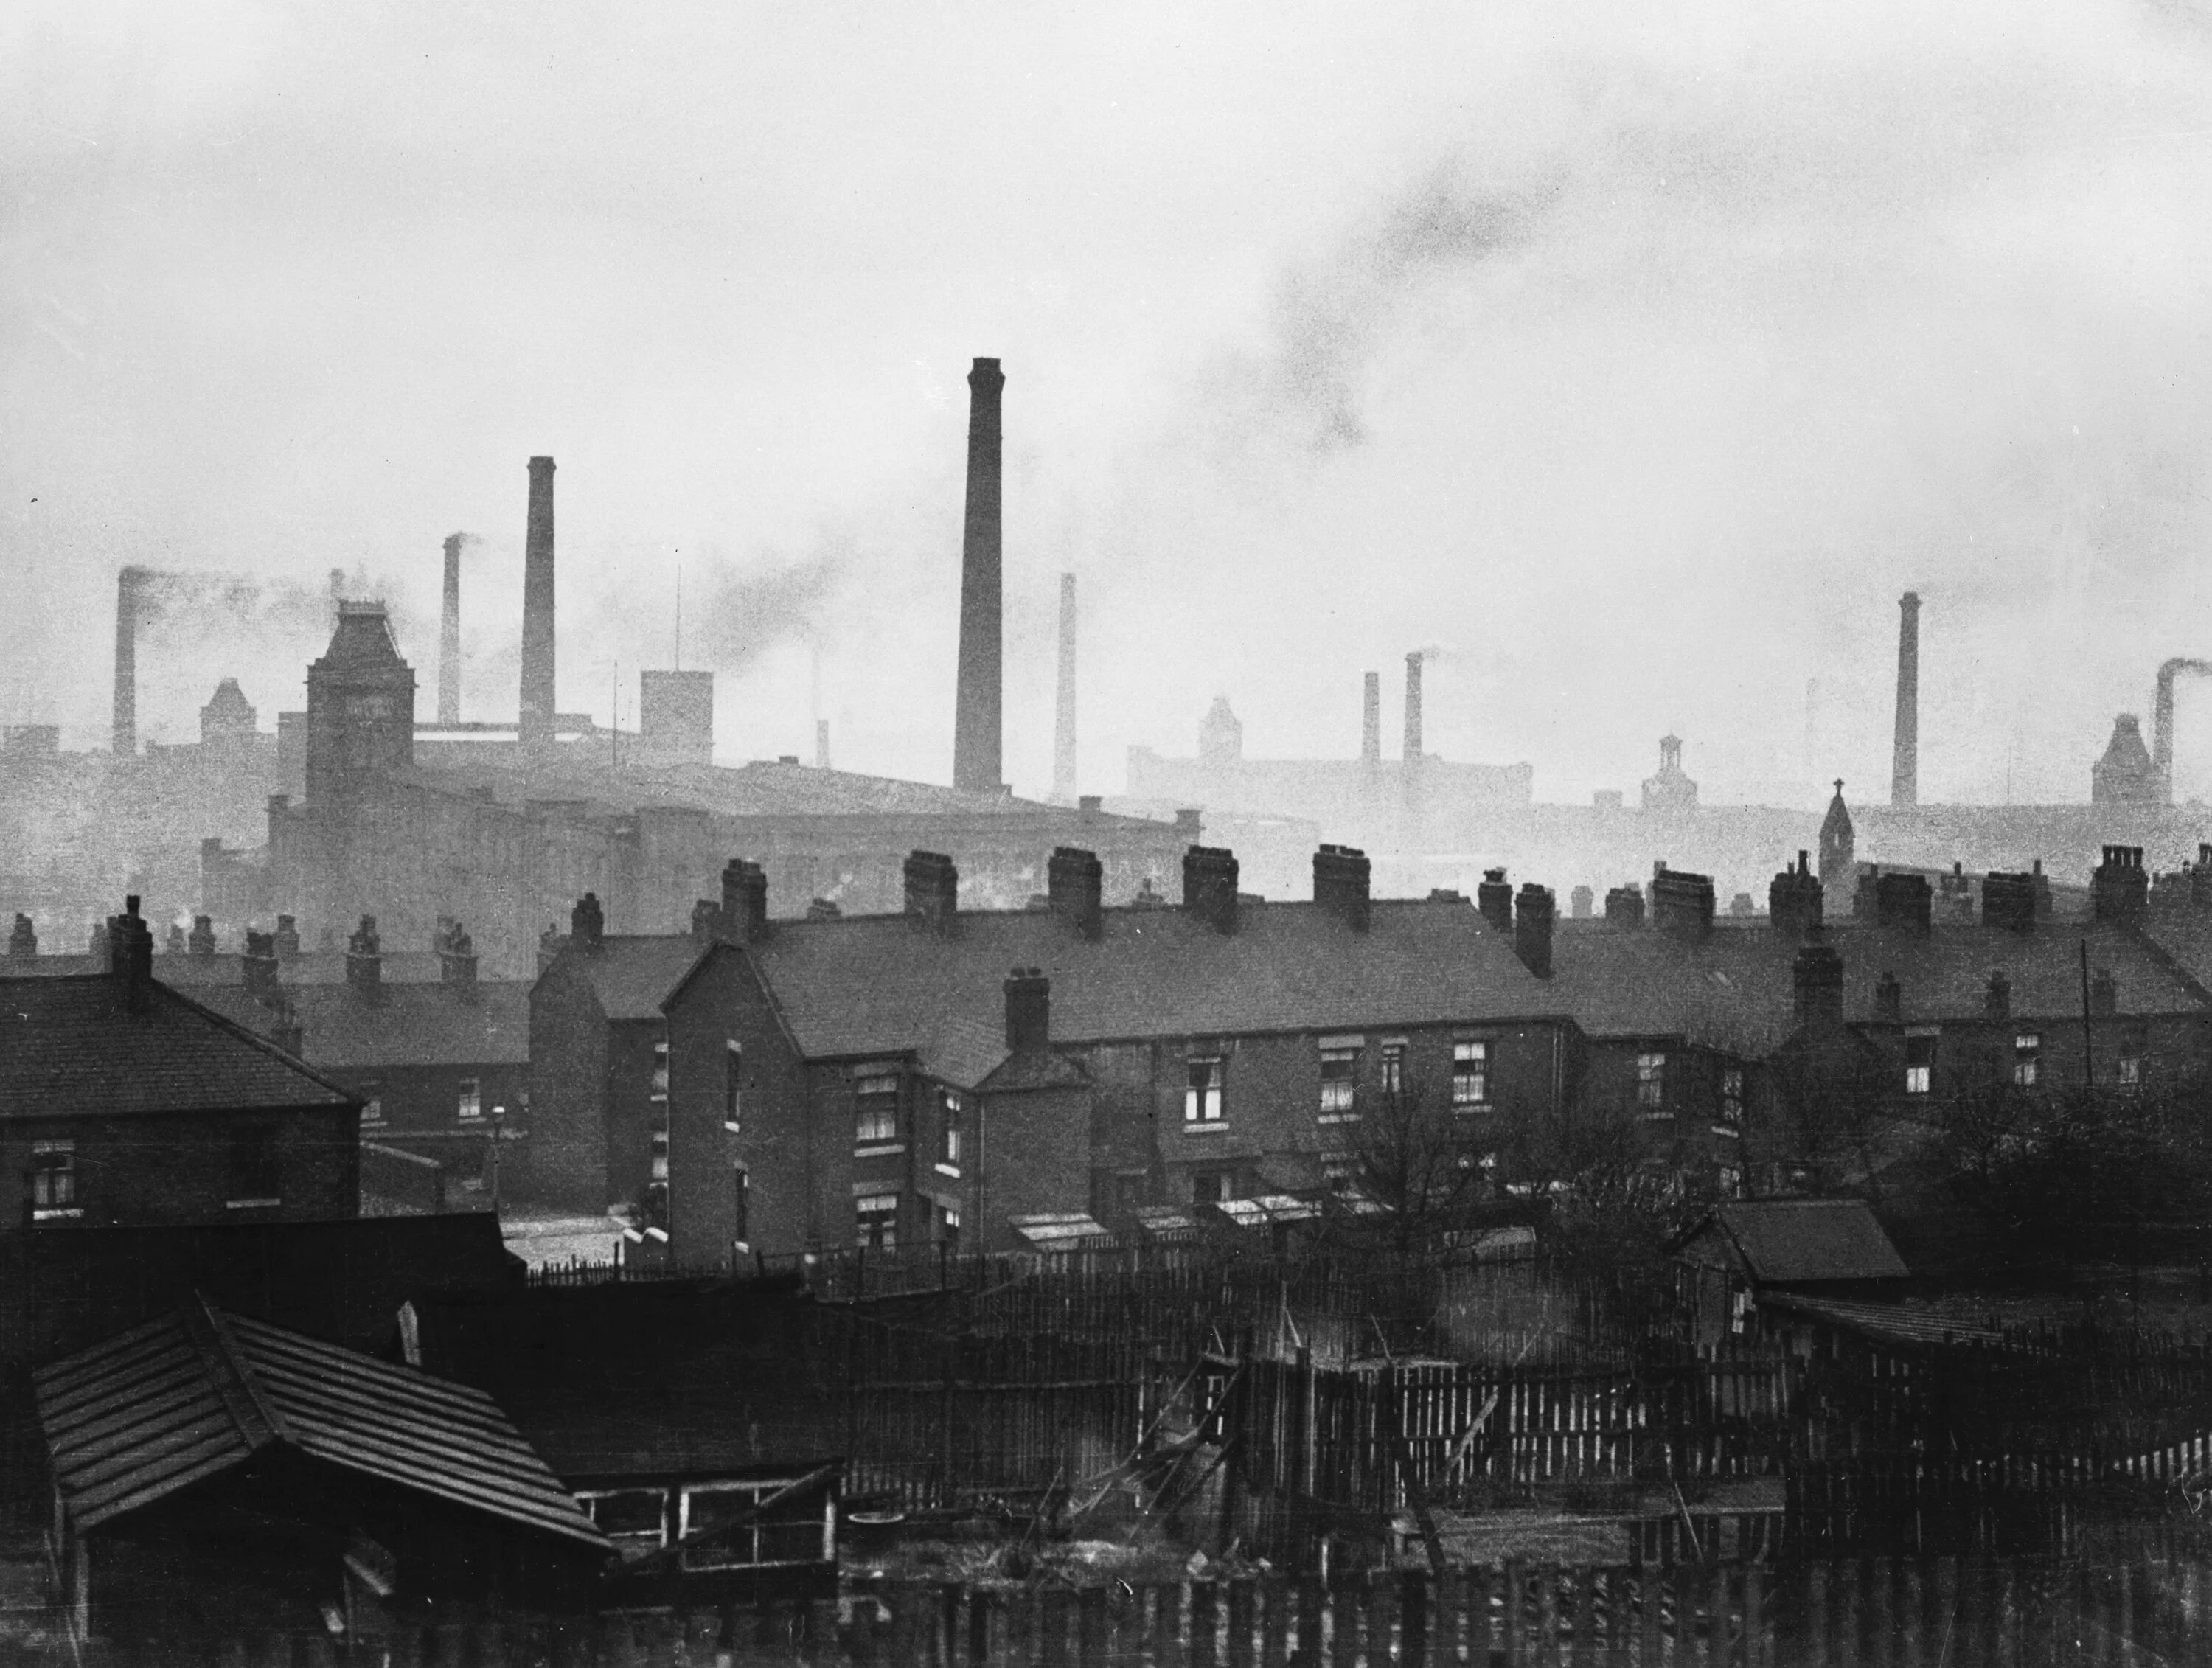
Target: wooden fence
[{"x": 1872, "y": 1613}]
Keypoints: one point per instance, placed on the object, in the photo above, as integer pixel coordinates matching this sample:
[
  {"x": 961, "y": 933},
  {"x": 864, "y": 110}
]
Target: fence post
[
  {"x": 1413, "y": 1619},
  {"x": 1311, "y": 1598},
  {"x": 1516, "y": 1594},
  {"x": 1275, "y": 1599},
  {"x": 1344, "y": 1609},
  {"x": 1816, "y": 1616},
  {"x": 1757, "y": 1653}
]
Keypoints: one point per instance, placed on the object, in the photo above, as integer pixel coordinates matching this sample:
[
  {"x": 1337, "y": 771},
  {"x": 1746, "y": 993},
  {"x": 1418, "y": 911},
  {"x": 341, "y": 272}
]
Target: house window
[
  {"x": 1731, "y": 1182},
  {"x": 660, "y": 1071},
  {"x": 372, "y": 1114},
  {"x": 1337, "y": 1068},
  {"x": 1919, "y": 1062},
  {"x": 952, "y": 1112},
  {"x": 1470, "y": 1074},
  {"x": 1201, "y": 1100},
  {"x": 876, "y": 1220},
  {"x": 1394, "y": 1068},
  {"x": 732, "y": 1105},
  {"x": 875, "y": 1102},
  {"x": 253, "y": 1166},
  {"x": 630, "y": 1517},
  {"x": 53, "y": 1181},
  {"x": 1651, "y": 1085},
  {"x": 741, "y": 1201},
  {"x": 2026, "y": 1060},
  {"x": 948, "y": 1227},
  {"x": 1207, "y": 1187},
  {"x": 797, "y": 1531},
  {"x": 2133, "y": 1046},
  {"x": 1732, "y": 1100},
  {"x": 472, "y": 1099}
]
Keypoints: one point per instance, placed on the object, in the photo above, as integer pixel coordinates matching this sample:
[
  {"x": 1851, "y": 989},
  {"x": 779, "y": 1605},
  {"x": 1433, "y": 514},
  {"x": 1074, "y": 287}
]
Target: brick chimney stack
[
  {"x": 932, "y": 890},
  {"x": 449, "y": 636},
  {"x": 535, "y": 727},
  {"x": 201, "y": 940},
  {"x": 1816, "y": 978},
  {"x": 365, "y": 960},
  {"x": 1494, "y": 898},
  {"x": 976, "y": 735},
  {"x": 1534, "y": 909},
  {"x": 1793, "y": 900},
  {"x": 23, "y": 939},
  {"x": 744, "y": 916},
  {"x": 1342, "y": 885},
  {"x": 1904, "y": 763},
  {"x": 1029, "y": 1010},
  {"x": 1209, "y": 886},
  {"x": 2119, "y": 887},
  {"x": 1075, "y": 883},
  {"x": 126, "y": 660},
  {"x": 258, "y": 967}
]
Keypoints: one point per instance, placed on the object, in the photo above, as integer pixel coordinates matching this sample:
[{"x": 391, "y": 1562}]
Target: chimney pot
[
  {"x": 1579, "y": 902},
  {"x": 2119, "y": 888},
  {"x": 1533, "y": 911},
  {"x": 1029, "y": 1010},
  {"x": 744, "y": 917},
  {"x": 1075, "y": 886},
  {"x": 1624, "y": 908},
  {"x": 23, "y": 941},
  {"x": 1209, "y": 886},
  {"x": 1682, "y": 904},
  {"x": 202, "y": 941},
  {"x": 587, "y": 924},
  {"x": 257, "y": 966},
  {"x": 1343, "y": 884},
  {"x": 1494, "y": 898},
  {"x": 933, "y": 891},
  {"x": 1794, "y": 900}
]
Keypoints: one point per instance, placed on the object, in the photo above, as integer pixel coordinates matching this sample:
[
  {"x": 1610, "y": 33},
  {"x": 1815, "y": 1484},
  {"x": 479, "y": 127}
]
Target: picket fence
[{"x": 1872, "y": 1613}]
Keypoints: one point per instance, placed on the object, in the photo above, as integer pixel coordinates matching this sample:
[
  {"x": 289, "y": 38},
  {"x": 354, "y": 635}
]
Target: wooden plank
[
  {"x": 1816, "y": 1616},
  {"x": 1414, "y": 1625},
  {"x": 1652, "y": 1620},
  {"x": 1581, "y": 1619},
  {"x": 1205, "y": 1620},
  {"x": 1313, "y": 1606},
  {"x": 1758, "y": 1645},
  {"x": 1344, "y": 1607},
  {"x": 1278, "y": 1599},
  {"x": 1244, "y": 1605},
  {"x": 1514, "y": 1595}
]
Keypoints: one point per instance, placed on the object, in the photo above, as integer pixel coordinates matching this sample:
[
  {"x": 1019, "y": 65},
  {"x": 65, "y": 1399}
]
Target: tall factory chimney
[
  {"x": 536, "y": 725},
  {"x": 975, "y": 735},
  {"x": 449, "y": 636},
  {"x": 1371, "y": 722},
  {"x": 1063, "y": 730},
  {"x": 1904, "y": 764},
  {"x": 1412, "y": 709},
  {"x": 126, "y": 660}
]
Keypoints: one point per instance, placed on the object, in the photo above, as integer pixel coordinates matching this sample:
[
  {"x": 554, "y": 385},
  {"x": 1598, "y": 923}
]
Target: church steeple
[{"x": 1838, "y": 865}]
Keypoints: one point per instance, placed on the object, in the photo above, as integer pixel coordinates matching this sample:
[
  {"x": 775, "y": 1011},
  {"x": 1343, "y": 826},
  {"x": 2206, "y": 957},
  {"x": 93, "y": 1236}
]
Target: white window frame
[
  {"x": 1470, "y": 1074},
  {"x": 1731, "y": 1118},
  {"x": 2026, "y": 1059},
  {"x": 62, "y": 1204},
  {"x": 714, "y": 1557},
  {"x": 1651, "y": 1083},
  {"x": 952, "y": 1132},
  {"x": 468, "y": 1104},
  {"x": 587, "y": 1498},
  {"x": 733, "y": 1092},
  {"x": 876, "y": 1113},
  {"x": 1920, "y": 1075},
  {"x": 1202, "y": 1103},
  {"x": 1340, "y": 1093},
  {"x": 883, "y": 1206},
  {"x": 371, "y": 1113}
]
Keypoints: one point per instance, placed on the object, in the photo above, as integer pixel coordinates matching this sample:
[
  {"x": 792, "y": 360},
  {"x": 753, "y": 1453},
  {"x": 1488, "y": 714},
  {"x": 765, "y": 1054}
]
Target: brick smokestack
[
  {"x": 1063, "y": 729},
  {"x": 535, "y": 726},
  {"x": 976, "y": 734},
  {"x": 449, "y": 636},
  {"x": 1371, "y": 721},
  {"x": 1412, "y": 710},
  {"x": 1905, "y": 764},
  {"x": 126, "y": 660}
]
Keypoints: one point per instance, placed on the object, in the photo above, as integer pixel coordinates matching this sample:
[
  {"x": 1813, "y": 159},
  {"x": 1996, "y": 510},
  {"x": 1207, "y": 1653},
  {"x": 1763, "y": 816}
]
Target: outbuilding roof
[
  {"x": 1791, "y": 1242},
  {"x": 162, "y": 1407},
  {"x": 882, "y": 984},
  {"x": 75, "y": 1047}
]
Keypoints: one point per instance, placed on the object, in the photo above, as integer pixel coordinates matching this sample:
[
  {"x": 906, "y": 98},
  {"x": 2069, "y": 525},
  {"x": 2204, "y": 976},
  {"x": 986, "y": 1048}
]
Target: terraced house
[{"x": 958, "y": 1079}]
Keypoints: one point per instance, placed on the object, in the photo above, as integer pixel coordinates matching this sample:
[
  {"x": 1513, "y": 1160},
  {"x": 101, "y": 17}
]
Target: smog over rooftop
[{"x": 1641, "y": 362}]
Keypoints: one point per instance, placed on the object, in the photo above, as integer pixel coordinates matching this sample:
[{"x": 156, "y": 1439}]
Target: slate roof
[
  {"x": 1738, "y": 983},
  {"x": 135, "y": 1420},
  {"x": 881, "y": 984},
  {"x": 226, "y": 968},
  {"x": 71, "y": 1047},
  {"x": 1787, "y": 1242},
  {"x": 407, "y": 1024},
  {"x": 632, "y": 974}
]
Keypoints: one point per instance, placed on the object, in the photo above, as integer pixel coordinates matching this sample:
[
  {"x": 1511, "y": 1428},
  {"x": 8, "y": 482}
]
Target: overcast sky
[{"x": 1635, "y": 357}]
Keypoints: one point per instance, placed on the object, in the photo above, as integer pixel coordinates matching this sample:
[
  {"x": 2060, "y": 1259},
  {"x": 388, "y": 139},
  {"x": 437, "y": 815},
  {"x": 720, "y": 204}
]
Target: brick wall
[{"x": 567, "y": 1167}]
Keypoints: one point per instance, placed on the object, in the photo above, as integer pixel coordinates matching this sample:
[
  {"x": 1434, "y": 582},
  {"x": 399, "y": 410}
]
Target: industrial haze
[{"x": 1638, "y": 367}]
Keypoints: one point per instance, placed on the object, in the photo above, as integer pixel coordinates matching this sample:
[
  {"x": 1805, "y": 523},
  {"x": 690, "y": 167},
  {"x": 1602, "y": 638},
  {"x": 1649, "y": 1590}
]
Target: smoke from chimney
[
  {"x": 535, "y": 726},
  {"x": 126, "y": 660},
  {"x": 1904, "y": 765},
  {"x": 1063, "y": 730},
  {"x": 976, "y": 734}
]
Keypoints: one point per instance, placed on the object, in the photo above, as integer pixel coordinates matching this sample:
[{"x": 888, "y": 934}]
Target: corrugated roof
[
  {"x": 1738, "y": 983},
  {"x": 72, "y": 1047},
  {"x": 406, "y": 1024},
  {"x": 882, "y": 984},
  {"x": 135, "y": 1419},
  {"x": 1792, "y": 1241},
  {"x": 632, "y": 974}
]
